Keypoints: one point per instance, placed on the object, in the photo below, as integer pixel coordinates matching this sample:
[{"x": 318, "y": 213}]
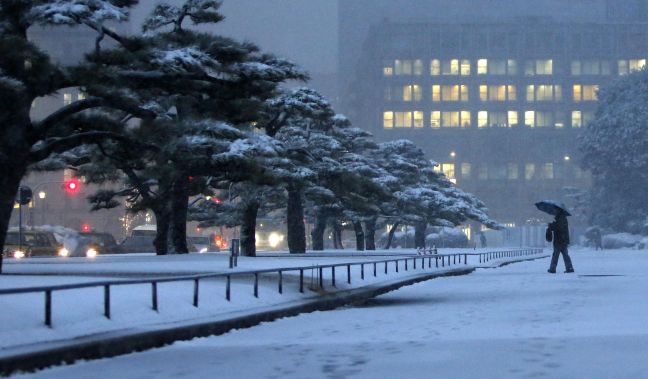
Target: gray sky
[{"x": 304, "y": 31}]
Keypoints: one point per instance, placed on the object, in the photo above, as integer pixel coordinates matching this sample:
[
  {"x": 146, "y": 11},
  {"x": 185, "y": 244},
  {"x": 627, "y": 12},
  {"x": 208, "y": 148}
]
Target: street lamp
[{"x": 42, "y": 195}]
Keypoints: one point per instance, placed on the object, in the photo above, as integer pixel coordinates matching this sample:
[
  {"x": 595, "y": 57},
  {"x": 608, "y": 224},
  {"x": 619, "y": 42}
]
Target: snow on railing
[{"x": 440, "y": 261}]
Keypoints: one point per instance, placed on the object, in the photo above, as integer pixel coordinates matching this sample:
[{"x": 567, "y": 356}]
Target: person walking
[{"x": 558, "y": 232}]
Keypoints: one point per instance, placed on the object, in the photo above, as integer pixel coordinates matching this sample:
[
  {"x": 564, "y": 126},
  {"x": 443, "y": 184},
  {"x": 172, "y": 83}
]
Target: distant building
[{"x": 496, "y": 91}]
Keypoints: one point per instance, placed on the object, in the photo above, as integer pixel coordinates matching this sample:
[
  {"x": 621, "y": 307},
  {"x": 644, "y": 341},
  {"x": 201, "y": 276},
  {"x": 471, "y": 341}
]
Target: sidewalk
[{"x": 80, "y": 331}]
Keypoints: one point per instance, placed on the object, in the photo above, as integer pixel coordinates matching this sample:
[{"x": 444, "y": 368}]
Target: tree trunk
[
  {"x": 295, "y": 221},
  {"x": 390, "y": 237},
  {"x": 13, "y": 172},
  {"x": 337, "y": 235},
  {"x": 360, "y": 236},
  {"x": 162, "y": 223},
  {"x": 317, "y": 234},
  {"x": 419, "y": 234},
  {"x": 179, "y": 207},
  {"x": 370, "y": 234},
  {"x": 248, "y": 229}
]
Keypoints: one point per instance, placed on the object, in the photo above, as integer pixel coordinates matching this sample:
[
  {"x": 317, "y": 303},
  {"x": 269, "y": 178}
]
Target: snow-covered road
[{"x": 513, "y": 322}]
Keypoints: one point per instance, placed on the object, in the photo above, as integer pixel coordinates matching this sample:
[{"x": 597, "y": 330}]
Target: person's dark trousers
[{"x": 554, "y": 258}]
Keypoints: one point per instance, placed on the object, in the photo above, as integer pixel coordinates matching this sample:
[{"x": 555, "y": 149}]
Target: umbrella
[{"x": 552, "y": 207}]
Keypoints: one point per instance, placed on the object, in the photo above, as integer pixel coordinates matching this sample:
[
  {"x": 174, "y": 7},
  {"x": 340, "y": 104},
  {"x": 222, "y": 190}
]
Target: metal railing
[{"x": 440, "y": 261}]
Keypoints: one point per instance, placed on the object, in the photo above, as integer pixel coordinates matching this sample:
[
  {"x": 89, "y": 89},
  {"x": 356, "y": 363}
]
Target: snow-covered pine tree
[
  {"x": 26, "y": 73},
  {"x": 615, "y": 150}
]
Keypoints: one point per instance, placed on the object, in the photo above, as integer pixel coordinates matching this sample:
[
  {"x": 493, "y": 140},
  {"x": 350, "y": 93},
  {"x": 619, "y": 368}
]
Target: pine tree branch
[{"x": 51, "y": 146}]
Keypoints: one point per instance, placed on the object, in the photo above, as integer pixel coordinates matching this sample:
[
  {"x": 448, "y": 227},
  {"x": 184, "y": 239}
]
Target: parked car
[
  {"x": 101, "y": 243},
  {"x": 138, "y": 244},
  {"x": 203, "y": 244},
  {"x": 34, "y": 244}
]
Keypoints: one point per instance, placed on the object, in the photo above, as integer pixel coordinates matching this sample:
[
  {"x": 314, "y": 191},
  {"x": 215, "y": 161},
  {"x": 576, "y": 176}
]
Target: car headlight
[
  {"x": 19, "y": 254},
  {"x": 274, "y": 239},
  {"x": 203, "y": 250},
  {"x": 63, "y": 252},
  {"x": 91, "y": 253}
]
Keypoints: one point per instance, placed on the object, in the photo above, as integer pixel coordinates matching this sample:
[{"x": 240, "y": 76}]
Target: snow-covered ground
[
  {"x": 517, "y": 321},
  {"x": 79, "y": 312}
]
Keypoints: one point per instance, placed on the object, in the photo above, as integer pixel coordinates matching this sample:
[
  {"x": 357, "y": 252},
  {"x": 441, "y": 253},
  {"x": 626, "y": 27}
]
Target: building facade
[{"x": 497, "y": 101}]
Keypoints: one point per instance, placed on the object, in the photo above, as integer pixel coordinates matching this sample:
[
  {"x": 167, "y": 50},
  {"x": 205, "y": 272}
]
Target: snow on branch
[{"x": 72, "y": 12}]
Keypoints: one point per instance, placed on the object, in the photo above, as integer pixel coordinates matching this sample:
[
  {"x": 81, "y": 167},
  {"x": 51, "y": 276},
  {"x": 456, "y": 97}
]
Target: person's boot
[
  {"x": 569, "y": 271},
  {"x": 551, "y": 271}
]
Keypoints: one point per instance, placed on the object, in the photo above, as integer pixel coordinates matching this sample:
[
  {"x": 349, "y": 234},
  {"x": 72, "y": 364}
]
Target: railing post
[
  {"x": 442, "y": 261},
  {"x": 396, "y": 264},
  {"x": 414, "y": 263},
  {"x": 154, "y": 297},
  {"x": 107, "y": 301},
  {"x": 301, "y": 280},
  {"x": 280, "y": 282},
  {"x": 48, "y": 308},
  {"x": 362, "y": 271},
  {"x": 256, "y": 284},
  {"x": 333, "y": 275},
  {"x": 321, "y": 278},
  {"x": 436, "y": 260},
  {"x": 375, "y": 269},
  {"x": 349, "y": 274},
  {"x": 228, "y": 286},
  {"x": 465, "y": 259},
  {"x": 385, "y": 268},
  {"x": 195, "y": 293},
  {"x": 406, "y": 264},
  {"x": 429, "y": 262},
  {"x": 454, "y": 259}
]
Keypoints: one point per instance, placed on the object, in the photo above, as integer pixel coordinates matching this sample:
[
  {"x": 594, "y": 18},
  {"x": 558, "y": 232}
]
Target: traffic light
[
  {"x": 72, "y": 186},
  {"x": 85, "y": 228}
]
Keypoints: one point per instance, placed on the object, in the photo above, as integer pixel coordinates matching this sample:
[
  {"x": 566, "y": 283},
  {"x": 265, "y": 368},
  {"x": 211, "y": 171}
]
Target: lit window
[
  {"x": 407, "y": 93},
  {"x": 512, "y": 93},
  {"x": 418, "y": 67},
  {"x": 436, "y": 93},
  {"x": 512, "y": 118},
  {"x": 512, "y": 171},
  {"x": 450, "y": 67},
  {"x": 464, "y": 92},
  {"x": 403, "y": 67},
  {"x": 529, "y": 171},
  {"x": 548, "y": 171},
  {"x": 512, "y": 67},
  {"x": 483, "y": 93},
  {"x": 388, "y": 71},
  {"x": 388, "y": 120},
  {"x": 435, "y": 67},
  {"x": 636, "y": 64},
  {"x": 81, "y": 96},
  {"x": 544, "y": 67},
  {"x": 482, "y": 119},
  {"x": 577, "y": 119},
  {"x": 450, "y": 119},
  {"x": 67, "y": 98},
  {"x": 547, "y": 92},
  {"x": 529, "y": 118},
  {"x": 497, "y": 93},
  {"x": 448, "y": 170},
  {"x": 418, "y": 92},
  {"x": 403, "y": 119},
  {"x": 466, "y": 170},
  {"x": 465, "y": 119},
  {"x": 435, "y": 119},
  {"x": 418, "y": 119},
  {"x": 530, "y": 93},
  {"x": 450, "y": 93},
  {"x": 465, "y": 67},
  {"x": 578, "y": 92},
  {"x": 482, "y": 67}
]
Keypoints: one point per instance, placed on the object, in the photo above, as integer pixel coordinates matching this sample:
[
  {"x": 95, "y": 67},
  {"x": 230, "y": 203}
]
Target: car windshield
[
  {"x": 29, "y": 239},
  {"x": 102, "y": 239},
  {"x": 199, "y": 240},
  {"x": 138, "y": 241}
]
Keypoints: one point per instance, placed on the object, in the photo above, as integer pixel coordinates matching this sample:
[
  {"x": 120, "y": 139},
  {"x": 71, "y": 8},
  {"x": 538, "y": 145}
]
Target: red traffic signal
[
  {"x": 72, "y": 186},
  {"x": 85, "y": 228}
]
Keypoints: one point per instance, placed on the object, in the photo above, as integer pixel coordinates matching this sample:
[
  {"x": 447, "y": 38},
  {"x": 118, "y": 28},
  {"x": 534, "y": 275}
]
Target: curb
[{"x": 129, "y": 342}]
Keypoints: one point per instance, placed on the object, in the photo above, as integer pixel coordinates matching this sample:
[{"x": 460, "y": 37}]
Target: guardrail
[{"x": 440, "y": 260}]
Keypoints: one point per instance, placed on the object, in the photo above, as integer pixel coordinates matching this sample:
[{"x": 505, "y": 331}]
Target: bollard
[
  {"x": 235, "y": 246},
  {"x": 349, "y": 274},
  {"x": 280, "y": 282},
  {"x": 374, "y": 269},
  {"x": 362, "y": 271},
  {"x": 48, "y": 308},
  {"x": 333, "y": 275},
  {"x": 301, "y": 280},
  {"x": 195, "y": 294},
  {"x": 228, "y": 288},
  {"x": 256, "y": 285},
  {"x": 107, "y": 301}
]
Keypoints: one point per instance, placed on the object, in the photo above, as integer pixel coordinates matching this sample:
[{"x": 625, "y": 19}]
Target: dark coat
[{"x": 559, "y": 231}]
